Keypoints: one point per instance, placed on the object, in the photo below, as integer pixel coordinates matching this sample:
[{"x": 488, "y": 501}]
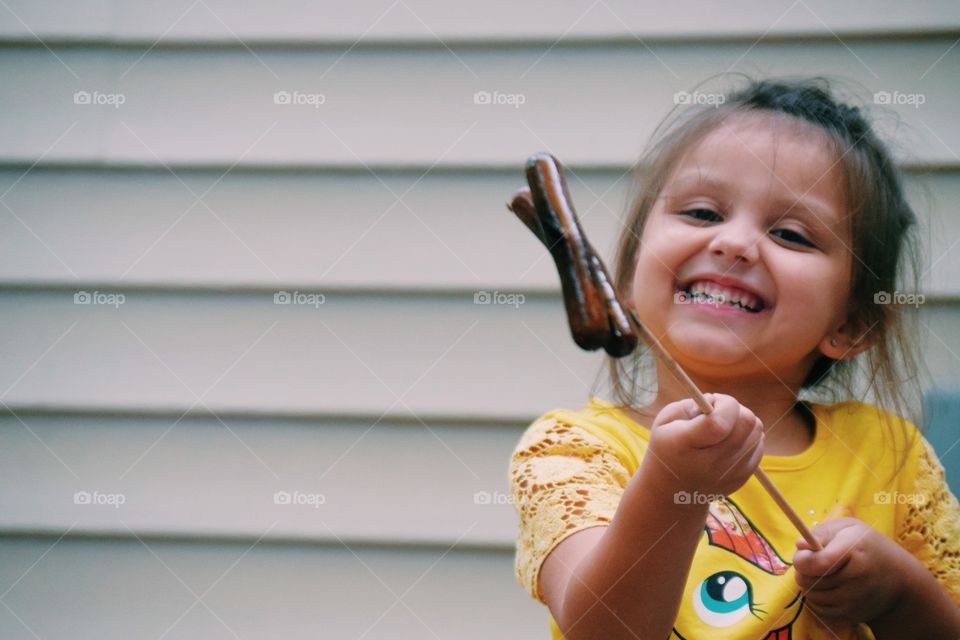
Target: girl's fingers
[
  {"x": 821, "y": 563},
  {"x": 755, "y": 439},
  {"x": 684, "y": 416},
  {"x": 729, "y": 419},
  {"x": 757, "y": 454},
  {"x": 819, "y": 583},
  {"x": 751, "y": 452},
  {"x": 679, "y": 410},
  {"x": 828, "y": 613},
  {"x": 747, "y": 422}
]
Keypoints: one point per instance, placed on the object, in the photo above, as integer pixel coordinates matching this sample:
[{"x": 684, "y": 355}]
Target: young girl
[{"x": 767, "y": 237}]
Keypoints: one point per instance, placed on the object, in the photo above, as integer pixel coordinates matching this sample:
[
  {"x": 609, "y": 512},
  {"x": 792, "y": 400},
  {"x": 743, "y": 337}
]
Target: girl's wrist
[{"x": 657, "y": 478}]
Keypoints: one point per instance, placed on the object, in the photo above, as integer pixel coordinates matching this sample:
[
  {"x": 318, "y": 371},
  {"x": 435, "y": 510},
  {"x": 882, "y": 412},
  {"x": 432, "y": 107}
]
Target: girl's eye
[
  {"x": 705, "y": 215},
  {"x": 792, "y": 236},
  {"x": 788, "y": 235},
  {"x": 723, "y": 599}
]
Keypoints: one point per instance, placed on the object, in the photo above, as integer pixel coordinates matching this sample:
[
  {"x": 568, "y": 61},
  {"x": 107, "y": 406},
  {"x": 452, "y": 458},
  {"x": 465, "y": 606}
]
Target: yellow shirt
[{"x": 570, "y": 469}]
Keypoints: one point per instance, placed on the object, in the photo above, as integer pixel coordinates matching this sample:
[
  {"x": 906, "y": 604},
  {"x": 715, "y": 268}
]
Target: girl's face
[{"x": 754, "y": 212}]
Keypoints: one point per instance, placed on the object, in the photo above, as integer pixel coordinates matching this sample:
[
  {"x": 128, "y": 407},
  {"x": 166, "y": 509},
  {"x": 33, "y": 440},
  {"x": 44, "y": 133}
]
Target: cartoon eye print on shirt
[
  {"x": 735, "y": 574},
  {"x": 723, "y": 599}
]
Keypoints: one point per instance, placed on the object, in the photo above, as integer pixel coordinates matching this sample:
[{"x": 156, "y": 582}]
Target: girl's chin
[
  {"x": 706, "y": 351},
  {"x": 710, "y": 363},
  {"x": 703, "y": 340}
]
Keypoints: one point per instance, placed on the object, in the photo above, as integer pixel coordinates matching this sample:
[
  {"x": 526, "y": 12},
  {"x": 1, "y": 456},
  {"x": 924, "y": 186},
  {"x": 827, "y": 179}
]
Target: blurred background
[{"x": 270, "y": 334}]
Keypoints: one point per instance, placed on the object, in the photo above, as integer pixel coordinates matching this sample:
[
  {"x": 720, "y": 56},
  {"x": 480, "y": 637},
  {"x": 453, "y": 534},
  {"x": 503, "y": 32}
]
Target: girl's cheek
[
  {"x": 652, "y": 281},
  {"x": 659, "y": 262},
  {"x": 673, "y": 246}
]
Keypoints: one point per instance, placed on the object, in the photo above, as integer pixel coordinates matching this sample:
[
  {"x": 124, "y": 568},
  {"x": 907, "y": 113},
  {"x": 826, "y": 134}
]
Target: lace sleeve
[
  {"x": 930, "y": 526},
  {"x": 563, "y": 479}
]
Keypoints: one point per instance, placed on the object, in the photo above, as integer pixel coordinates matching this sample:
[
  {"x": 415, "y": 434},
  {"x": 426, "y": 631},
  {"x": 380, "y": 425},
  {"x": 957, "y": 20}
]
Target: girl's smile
[
  {"x": 744, "y": 264},
  {"x": 723, "y": 293}
]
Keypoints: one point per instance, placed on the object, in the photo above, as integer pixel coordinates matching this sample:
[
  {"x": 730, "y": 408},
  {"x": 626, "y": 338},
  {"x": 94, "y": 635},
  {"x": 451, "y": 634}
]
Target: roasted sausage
[{"x": 596, "y": 317}]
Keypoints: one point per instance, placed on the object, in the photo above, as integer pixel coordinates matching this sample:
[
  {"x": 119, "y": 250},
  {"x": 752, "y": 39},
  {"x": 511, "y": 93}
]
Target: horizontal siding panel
[
  {"x": 432, "y": 356},
  {"x": 113, "y": 590},
  {"x": 423, "y": 21},
  {"x": 403, "y": 354},
  {"x": 368, "y": 481},
  {"x": 933, "y": 198},
  {"x": 301, "y": 230},
  {"x": 592, "y": 105},
  {"x": 451, "y": 231}
]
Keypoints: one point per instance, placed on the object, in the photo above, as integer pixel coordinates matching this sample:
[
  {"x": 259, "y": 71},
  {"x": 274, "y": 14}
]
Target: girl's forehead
[{"x": 783, "y": 153}]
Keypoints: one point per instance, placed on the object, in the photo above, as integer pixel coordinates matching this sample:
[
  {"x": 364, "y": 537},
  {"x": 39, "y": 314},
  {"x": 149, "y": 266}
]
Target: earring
[{"x": 833, "y": 342}]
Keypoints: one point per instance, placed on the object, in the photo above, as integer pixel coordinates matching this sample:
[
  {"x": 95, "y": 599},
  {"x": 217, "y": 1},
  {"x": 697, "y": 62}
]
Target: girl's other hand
[
  {"x": 712, "y": 454},
  {"x": 853, "y": 579}
]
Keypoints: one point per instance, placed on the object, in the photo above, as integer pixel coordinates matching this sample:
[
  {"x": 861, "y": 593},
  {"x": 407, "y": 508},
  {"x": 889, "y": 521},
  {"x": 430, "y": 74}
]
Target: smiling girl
[{"x": 766, "y": 232}]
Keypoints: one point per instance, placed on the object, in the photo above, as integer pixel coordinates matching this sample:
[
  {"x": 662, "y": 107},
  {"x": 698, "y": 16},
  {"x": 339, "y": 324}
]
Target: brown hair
[{"x": 883, "y": 229}]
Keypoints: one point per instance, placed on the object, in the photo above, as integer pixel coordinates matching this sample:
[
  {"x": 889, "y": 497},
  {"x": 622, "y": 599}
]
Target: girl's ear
[{"x": 845, "y": 342}]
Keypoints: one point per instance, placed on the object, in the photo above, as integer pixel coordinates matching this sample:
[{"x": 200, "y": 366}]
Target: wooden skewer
[{"x": 707, "y": 408}]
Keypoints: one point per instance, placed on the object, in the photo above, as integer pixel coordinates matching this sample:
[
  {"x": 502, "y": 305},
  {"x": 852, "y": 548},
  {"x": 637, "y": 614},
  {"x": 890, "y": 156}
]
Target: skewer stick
[{"x": 707, "y": 408}]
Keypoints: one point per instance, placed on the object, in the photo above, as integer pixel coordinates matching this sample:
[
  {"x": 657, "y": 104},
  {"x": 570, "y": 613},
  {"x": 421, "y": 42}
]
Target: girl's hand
[
  {"x": 712, "y": 454},
  {"x": 854, "y": 578}
]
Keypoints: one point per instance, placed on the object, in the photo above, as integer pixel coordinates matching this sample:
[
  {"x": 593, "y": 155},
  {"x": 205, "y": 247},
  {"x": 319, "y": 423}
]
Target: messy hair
[{"x": 883, "y": 231}]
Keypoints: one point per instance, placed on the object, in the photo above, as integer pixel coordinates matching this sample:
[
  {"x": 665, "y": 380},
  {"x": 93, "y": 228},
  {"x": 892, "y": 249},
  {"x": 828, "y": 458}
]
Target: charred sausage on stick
[{"x": 596, "y": 317}]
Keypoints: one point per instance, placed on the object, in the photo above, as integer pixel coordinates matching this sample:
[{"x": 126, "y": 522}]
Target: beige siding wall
[{"x": 392, "y": 407}]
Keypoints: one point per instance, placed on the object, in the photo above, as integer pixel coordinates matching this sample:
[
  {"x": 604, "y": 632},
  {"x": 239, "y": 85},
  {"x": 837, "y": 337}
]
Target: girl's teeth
[{"x": 714, "y": 294}]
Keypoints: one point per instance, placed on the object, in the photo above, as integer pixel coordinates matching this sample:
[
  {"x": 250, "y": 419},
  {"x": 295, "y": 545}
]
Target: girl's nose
[{"x": 735, "y": 242}]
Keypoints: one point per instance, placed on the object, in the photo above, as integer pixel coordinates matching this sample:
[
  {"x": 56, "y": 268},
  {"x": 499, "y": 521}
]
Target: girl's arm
[
  {"x": 922, "y": 610},
  {"x": 626, "y": 580}
]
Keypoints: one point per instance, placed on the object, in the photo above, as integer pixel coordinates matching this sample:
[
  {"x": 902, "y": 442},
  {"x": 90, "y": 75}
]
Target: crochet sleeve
[
  {"x": 563, "y": 479},
  {"x": 930, "y": 526}
]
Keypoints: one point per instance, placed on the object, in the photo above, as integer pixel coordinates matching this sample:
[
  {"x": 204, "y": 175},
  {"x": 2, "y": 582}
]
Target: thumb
[
  {"x": 710, "y": 429},
  {"x": 831, "y": 558},
  {"x": 826, "y": 531},
  {"x": 680, "y": 410}
]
